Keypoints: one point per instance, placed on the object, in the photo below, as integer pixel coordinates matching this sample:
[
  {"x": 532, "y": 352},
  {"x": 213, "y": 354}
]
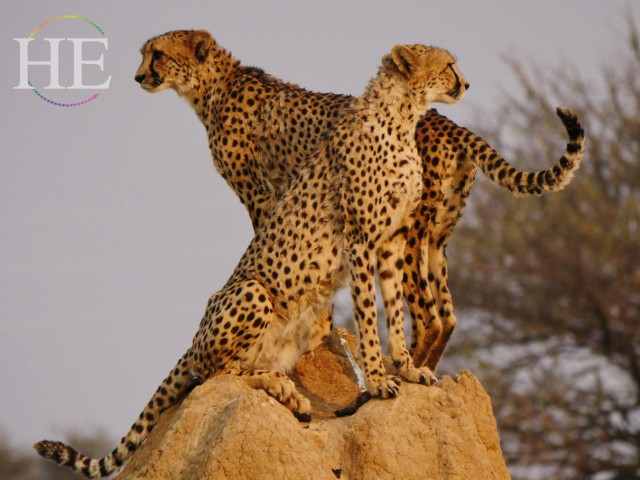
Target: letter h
[{"x": 54, "y": 68}]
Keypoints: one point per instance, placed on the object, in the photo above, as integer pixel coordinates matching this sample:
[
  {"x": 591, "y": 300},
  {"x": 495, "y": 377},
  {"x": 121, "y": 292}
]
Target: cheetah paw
[
  {"x": 299, "y": 406},
  {"x": 413, "y": 374},
  {"x": 302, "y": 417},
  {"x": 386, "y": 386}
]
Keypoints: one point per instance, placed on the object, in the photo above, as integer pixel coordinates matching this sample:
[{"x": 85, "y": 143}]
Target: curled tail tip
[
  {"x": 66, "y": 456},
  {"x": 49, "y": 449},
  {"x": 570, "y": 122},
  {"x": 565, "y": 114}
]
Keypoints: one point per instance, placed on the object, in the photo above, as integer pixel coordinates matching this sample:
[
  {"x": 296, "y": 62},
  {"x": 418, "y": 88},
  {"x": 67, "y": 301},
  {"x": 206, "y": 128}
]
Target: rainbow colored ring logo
[{"x": 32, "y": 35}]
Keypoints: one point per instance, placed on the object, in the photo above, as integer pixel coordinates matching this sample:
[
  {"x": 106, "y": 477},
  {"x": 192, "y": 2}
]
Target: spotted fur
[
  {"x": 352, "y": 201},
  {"x": 451, "y": 155}
]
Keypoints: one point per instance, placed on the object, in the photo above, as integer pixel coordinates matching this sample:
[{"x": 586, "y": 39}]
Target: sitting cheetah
[
  {"x": 354, "y": 199},
  {"x": 261, "y": 131}
]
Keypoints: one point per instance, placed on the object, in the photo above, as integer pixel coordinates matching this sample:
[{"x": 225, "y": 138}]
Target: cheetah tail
[
  {"x": 168, "y": 393},
  {"x": 536, "y": 183}
]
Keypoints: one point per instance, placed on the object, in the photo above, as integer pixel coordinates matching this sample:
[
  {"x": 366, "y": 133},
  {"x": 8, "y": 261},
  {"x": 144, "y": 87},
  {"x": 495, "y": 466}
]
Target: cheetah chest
[{"x": 404, "y": 189}]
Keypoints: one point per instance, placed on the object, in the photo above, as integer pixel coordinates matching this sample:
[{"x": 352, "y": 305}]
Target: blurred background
[
  {"x": 115, "y": 228},
  {"x": 548, "y": 288}
]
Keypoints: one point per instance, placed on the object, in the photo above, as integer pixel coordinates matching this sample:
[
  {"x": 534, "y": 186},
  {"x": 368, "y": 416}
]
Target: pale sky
[{"x": 114, "y": 226}]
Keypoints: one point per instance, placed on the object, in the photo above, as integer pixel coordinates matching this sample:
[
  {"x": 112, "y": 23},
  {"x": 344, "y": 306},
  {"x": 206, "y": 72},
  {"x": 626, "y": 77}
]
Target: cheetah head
[
  {"x": 173, "y": 60},
  {"x": 431, "y": 73}
]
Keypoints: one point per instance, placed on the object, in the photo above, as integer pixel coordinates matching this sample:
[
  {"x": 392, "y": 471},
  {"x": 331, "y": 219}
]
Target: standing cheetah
[
  {"x": 354, "y": 199},
  {"x": 262, "y": 130},
  {"x": 451, "y": 155}
]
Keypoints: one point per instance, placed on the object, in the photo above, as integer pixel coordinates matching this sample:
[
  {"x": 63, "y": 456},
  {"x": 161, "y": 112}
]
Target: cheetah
[
  {"x": 352, "y": 201},
  {"x": 262, "y": 130},
  {"x": 451, "y": 155}
]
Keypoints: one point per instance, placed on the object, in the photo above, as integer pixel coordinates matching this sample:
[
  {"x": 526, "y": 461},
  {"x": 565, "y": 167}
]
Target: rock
[{"x": 226, "y": 430}]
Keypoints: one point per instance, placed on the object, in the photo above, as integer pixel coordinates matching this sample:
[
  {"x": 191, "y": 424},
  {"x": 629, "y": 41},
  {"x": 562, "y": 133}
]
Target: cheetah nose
[
  {"x": 140, "y": 78},
  {"x": 466, "y": 86}
]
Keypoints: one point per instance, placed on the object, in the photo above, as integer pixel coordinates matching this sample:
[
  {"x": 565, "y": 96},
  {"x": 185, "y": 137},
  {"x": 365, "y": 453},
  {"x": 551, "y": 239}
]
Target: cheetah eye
[{"x": 157, "y": 54}]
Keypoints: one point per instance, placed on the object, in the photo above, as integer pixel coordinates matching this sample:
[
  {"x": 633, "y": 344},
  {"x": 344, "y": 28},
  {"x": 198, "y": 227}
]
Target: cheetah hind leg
[
  {"x": 421, "y": 296},
  {"x": 390, "y": 274},
  {"x": 438, "y": 264},
  {"x": 278, "y": 386},
  {"x": 247, "y": 304}
]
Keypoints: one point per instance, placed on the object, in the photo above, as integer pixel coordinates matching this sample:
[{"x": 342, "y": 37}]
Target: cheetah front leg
[
  {"x": 278, "y": 386},
  {"x": 390, "y": 274},
  {"x": 361, "y": 268}
]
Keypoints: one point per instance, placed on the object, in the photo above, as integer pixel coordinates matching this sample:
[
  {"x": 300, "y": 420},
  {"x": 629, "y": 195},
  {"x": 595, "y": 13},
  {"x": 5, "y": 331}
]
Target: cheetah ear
[
  {"x": 202, "y": 42},
  {"x": 404, "y": 59}
]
